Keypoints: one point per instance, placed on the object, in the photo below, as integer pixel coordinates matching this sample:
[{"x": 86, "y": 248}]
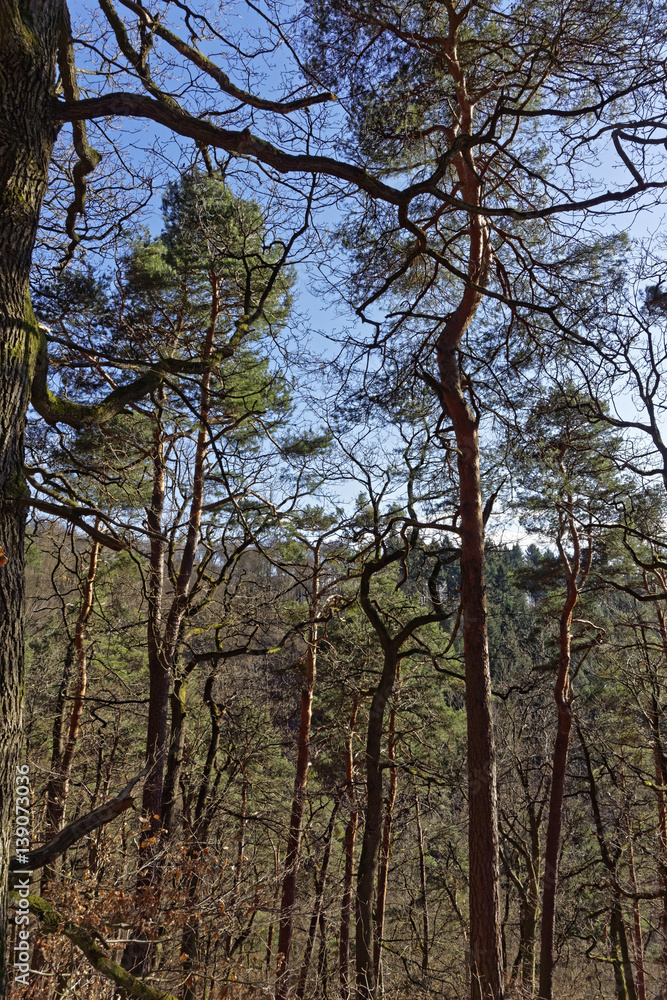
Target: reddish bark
[{"x": 486, "y": 966}]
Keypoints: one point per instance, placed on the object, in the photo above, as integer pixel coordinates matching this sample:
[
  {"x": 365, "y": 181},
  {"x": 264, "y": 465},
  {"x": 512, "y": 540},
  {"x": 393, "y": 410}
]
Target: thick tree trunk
[
  {"x": 486, "y": 964},
  {"x": 28, "y": 48},
  {"x": 486, "y": 968}
]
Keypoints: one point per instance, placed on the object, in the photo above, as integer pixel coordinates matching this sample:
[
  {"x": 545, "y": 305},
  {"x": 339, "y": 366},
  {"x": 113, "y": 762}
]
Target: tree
[
  {"x": 464, "y": 157},
  {"x": 568, "y": 494}
]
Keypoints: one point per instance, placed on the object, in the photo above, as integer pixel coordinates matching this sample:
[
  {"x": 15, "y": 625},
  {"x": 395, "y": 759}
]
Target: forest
[{"x": 333, "y": 500}]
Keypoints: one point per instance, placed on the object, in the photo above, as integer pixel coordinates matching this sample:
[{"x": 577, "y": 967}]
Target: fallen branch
[
  {"x": 76, "y": 830},
  {"x": 86, "y": 939}
]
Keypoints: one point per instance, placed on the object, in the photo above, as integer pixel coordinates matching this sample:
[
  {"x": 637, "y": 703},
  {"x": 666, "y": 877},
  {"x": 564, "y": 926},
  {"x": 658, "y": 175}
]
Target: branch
[
  {"x": 75, "y": 515},
  {"x": 86, "y": 939},
  {"x": 203, "y": 63},
  {"x": 243, "y": 143},
  {"x": 166, "y": 112},
  {"x": 78, "y": 829},
  {"x": 88, "y": 158},
  {"x": 57, "y": 410}
]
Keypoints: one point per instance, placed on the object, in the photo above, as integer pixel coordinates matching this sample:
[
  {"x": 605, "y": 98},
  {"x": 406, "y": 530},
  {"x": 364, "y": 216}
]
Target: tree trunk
[
  {"x": 486, "y": 970},
  {"x": 28, "y": 49},
  {"x": 422, "y": 877},
  {"x": 350, "y": 837},
  {"x": 53, "y": 822},
  {"x": 562, "y": 697},
  {"x": 365, "y": 969},
  {"x": 317, "y": 908},
  {"x": 293, "y": 851},
  {"x": 58, "y": 787},
  {"x": 175, "y": 758},
  {"x": 486, "y": 967},
  {"x": 385, "y": 848}
]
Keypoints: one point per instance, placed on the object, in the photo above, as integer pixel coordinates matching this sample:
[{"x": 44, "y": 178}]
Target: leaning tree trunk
[{"x": 28, "y": 46}]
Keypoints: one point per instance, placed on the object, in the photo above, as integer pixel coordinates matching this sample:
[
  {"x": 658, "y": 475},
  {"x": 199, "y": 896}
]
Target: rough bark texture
[
  {"x": 484, "y": 895},
  {"x": 28, "y": 45}
]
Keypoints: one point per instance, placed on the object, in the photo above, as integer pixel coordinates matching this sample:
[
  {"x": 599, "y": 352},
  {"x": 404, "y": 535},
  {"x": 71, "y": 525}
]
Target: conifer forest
[{"x": 333, "y": 500}]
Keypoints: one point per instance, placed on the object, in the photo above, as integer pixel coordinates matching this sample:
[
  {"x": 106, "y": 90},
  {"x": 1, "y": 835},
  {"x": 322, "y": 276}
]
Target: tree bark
[
  {"x": 486, "y": 963},
  {"x": 486, "y": 969},
  {"x": 28, "y": 52}
]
